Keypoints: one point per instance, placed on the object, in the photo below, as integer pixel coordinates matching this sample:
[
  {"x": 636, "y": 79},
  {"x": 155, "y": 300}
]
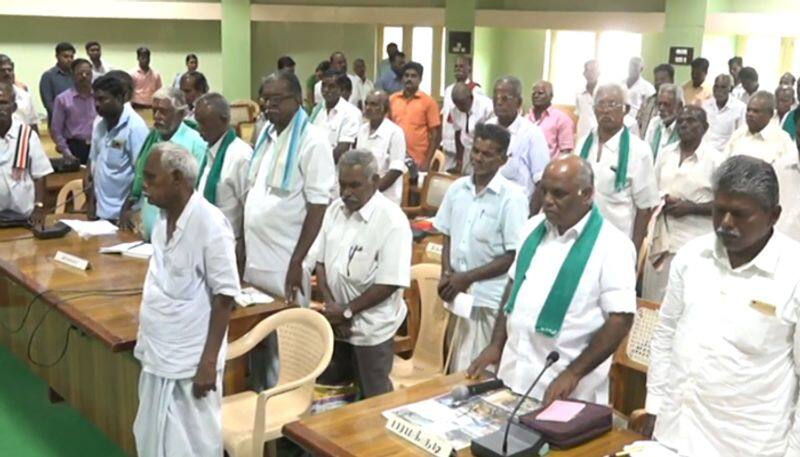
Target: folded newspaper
[{"x": 460, "y": 422}]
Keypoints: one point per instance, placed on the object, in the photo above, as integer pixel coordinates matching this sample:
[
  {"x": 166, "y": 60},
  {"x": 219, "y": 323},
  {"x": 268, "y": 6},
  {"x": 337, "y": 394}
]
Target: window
[
  {"x": 422, "y": 52},
  {"x": 391, "y": 35},
  {"x": 570, "y": 50},
  {"x": 614, "y": 51},
  {"x": 763, "y": 52},
  {"x": 718, "y": 49}
]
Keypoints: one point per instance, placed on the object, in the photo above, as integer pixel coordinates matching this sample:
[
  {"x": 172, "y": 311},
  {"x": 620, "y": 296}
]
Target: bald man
[
  {"x": 761, "y": 137},
  {"x": 558, "y": 128},
  {"x": 469, "y": 110},
  {"x": 583, "y": 320},
  {"x": 386, "y": 141}
]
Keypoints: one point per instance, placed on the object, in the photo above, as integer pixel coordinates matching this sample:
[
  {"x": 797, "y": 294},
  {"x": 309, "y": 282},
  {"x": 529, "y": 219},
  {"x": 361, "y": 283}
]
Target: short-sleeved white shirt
[
  {"x": 341, "y": 123},
  {"x": 769, "y": 145},
  {"x": 25, "y": 109},
  {"x": 638, "y": 93},
  {"x": 607, "y": 285},
  {"x": 19, "y": 195},
  {"x": 184, "y": 275},
  {"x": 788, "y": 170},
  {"x": 723, "y": 122},
  {"x": 232, "y": 186},
  {"x": 481, "y": 228},
  {"x": 388, "y": 144},
  {"x": 481, "y": 111},
  {"x": 640, "y": 191},
  {"x": 361, "y": 249}
]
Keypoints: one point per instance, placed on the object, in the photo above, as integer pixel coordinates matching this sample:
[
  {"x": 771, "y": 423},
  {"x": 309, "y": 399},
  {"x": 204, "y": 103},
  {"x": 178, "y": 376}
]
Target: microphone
[
  {"x": 524, "y": 442},
  {"x": 462, "y": 392},
  {"x": 58, "y": 229}
]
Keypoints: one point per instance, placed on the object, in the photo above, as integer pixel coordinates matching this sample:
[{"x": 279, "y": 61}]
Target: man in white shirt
[
  {"x": 784, "y": 102},
  {"x": 224, "y": 168},
  {"x": 748, "y": 80},
  {"x": 723, "y": 366},
  {"x": 725, "y": 112},
  {"x": 583, "y": 318},
  {"x": 362, "y": 85},
  {"x": 25, "y": 112},
  {"x": 462, "y": 71},
  {"x": 363, "y": 265},
  {"x": 683, "y": 173},
  {"x": 662, "y": 132},
  {"x": 788, "y": 170},
  {"x": 187, "y": 299},
  {"x": 584, "y": 101},
  {"x": 95, "y": 54},
  {"x": 335, "y": 115},
  {"x": 625, "y": 195},
  {"x": 470, "y": 109},
  {"x": 528, "y": 152},
  {"x": 761, "y": 137},
  {"x": 639, "y": 88},
  {"x": 481, "y": 216},
  {"x": 735, "y": 65},
  {"x": 339, "y": 65},
  {"x": 23, "y": 162},
  {"x": 387, "y": 142}
]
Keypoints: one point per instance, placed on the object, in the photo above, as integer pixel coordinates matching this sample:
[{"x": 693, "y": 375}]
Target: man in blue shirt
[
  {"x": 57, "y": 79},
  {"x": 116, "y": 142},
  {"x": 392, "y": 81}
]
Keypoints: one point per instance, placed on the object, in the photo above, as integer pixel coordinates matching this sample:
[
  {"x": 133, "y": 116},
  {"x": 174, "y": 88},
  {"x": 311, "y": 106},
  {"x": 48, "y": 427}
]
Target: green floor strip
[{"x": 31, "y": 426}]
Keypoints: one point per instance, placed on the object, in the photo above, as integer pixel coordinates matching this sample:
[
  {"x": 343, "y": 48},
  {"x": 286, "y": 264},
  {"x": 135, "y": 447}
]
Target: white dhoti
[
  {"x": 471, "y": 336},
  {"x": 171, "y": 422},
  {"x": 654, "y": 281}
]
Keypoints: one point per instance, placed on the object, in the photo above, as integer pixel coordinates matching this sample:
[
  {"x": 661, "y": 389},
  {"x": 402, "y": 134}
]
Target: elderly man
[
  {"x": 23, "y": 162},
  {"x": 58, "y": 78},
  {"x": 146, "y": 81},
  {"x": 584, "y": 101},
  {"x": 338, "y": 64},
  {"x": 662, "y": 74},
  {"x": 169, "y": 111},
  {"x": 725, "y": 112},
  {"x": 639, "y": 89},
  {"x": 481, "y": 216},
  {"x": 117, "y": 140},
  {"x": 25, "y": 113},
  {"x": 193, "y": 85},
  {"x": 392, "y": 81},
  {"x": 386, "y": 141},
  {"x": 662, "y": 131},
  {"x": 732, "y": 303},
  {"x": 462, "y": 71},
  {"x": 418, "y": 115},
  {"x": 748, "y": 80},
  {"x": 696, "y": 91},
  {"x": 290, "y": 183},
  {"x": 363, "y": 85},
  {"x": 187, "y": 299},
  {"x": 527, "y": 153},
  {"x": 340, "y": 119},
  {"x": 557, "y": 127},
  {"x": 571, "y": 290},
  {"x": 469, "y": 110},
  {"x": 74, "y": 114},
  {"x": 784, "y": 102},
  {"x": 363, "y": 265},
  {"x": 761, "y": 137},
  {"x": 683, "y": 173},
  {"x": 623, "y": 166}
]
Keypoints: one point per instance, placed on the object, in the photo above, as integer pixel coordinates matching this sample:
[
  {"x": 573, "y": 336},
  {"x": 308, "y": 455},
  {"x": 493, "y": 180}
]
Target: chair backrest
[
  {"x": 429, "y": 350},
  {"x": 437, "y": 161},
  {"x": 73, "y": 188},
  {"x": 243, "y": 111},
  {"x": 436, "y": 185},
  {"x": 634, "y": 351}
]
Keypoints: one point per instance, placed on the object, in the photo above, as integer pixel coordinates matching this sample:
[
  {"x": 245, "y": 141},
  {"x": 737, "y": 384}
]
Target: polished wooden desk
[
  {"x": 98, "y": 374},
  {"x": 359, "y": 429}
]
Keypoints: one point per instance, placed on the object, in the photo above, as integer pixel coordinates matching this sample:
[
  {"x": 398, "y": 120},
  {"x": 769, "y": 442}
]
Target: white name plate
[
  {"x": 71, "y": 260},
  {"x": 414, "y": 434},
  {"x": 434, "y": 249}
]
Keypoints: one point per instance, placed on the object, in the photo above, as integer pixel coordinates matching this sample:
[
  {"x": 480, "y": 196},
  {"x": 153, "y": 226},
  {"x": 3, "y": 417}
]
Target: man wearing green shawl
[
  {"x": 169, "y": 111},
  {"x": 571, "y": 290},
  {"x": 662, "y": 131}
]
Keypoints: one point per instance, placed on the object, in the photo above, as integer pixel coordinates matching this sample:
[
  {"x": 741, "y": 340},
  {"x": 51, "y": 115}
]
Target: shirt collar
[
  {"x": 613, "y": 142},
  {"x": 338, "y": 105},
  {"x": 127, "y": 109},
  {"x": 13, "y": 131},
  {"x": 574, "y": 231},
  {"x": 180, "y": 224},
  {"x": 380, "y": 131},
  {"x": 212, "y": 150},
  {"x": 366, "y": 211},
  {"x": 766, "y": 260},
  {"x": 60, "y": 71},
  {"x": 494, "y": 186}
]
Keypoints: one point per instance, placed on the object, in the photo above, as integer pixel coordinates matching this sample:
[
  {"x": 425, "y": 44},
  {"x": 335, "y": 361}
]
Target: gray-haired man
[
  {"x": 662, "y": 130},
  {"x": 723, "y": 373}
]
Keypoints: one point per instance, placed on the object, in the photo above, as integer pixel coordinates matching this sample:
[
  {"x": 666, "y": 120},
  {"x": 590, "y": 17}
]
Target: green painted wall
[
  {"x": 308, "y": 44},
  {"x": 236, "y": 48},
  {"x": 31, "y": 41}
]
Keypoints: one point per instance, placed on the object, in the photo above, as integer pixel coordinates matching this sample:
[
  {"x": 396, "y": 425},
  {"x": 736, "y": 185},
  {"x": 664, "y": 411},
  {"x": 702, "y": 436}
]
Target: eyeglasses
[
  {"x": 274, "y": 99},
  {"x": 606, "y": 106},
  {"x": 504, "y": 98}
]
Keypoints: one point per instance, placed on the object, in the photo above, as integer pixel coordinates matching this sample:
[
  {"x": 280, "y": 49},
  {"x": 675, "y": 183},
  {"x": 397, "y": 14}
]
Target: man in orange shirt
[{"x": 418, "y": 115}]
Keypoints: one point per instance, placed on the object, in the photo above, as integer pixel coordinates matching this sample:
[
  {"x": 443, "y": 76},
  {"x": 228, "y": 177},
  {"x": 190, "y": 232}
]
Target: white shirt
[
  {"x": 788, "y": 170},
  {"x": 232, "y": 185},
  {"x": 481, "y": 111},
  {"x": 528, "y": 153},
  {"x": 388, "y": 144},
  {"x": 101, "y": 70},
  {"x": 640, "y": 191},
  {"x": 668, "y": 135},
  {"x": 448, "y": 129},
  {"x": 723, "y": 122},
  {"x": 741, "y": 94},
  {"x": 607, "y": 285},
  {"x": 482, "y": 227},
  {"x": 184, "y": 275},
  {"x": 273, "y": 218},
  {"x": 639, "y": 92},
  {"x": 584, "y": 110},
  {"x": 19, "y": 195},
  {"x": 361, "y": 249},
  {"x": 690, "y": 180},
  {"x": 25, "y": 110},
  {"x": 318, "y": 98},
  {"x": 722, "y": 378},
  {"x": 361, "y": 89},
  {"x": 769, "y": 145},
  {"x": 342, "y": 122}
]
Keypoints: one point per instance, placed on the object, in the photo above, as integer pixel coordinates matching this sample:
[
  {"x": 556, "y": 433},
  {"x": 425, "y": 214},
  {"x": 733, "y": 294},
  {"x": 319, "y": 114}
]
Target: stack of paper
[
  {"x": 250, "y": 296},
  {"x": 86, "y": 229},
  {"x": 136, "y": 249}
]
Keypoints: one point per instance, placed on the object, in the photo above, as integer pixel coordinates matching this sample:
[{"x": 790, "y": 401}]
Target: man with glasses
[{"x": 73, "y": 115}]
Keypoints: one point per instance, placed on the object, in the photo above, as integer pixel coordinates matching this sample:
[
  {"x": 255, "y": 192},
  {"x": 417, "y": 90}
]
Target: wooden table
[
  {"x": 359, "y": 429},
  {"x": 98, "y": 374}
]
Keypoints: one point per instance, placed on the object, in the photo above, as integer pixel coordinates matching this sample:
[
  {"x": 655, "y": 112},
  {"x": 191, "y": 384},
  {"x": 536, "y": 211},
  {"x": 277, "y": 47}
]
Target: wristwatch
[{"x": 347, "y": 313}]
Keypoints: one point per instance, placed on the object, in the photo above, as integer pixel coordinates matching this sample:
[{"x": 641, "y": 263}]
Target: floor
[{"x": 31, "y": 426}]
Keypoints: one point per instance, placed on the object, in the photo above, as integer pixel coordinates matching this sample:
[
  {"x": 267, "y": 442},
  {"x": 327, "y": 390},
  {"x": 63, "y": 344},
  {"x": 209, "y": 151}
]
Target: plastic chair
[
  {"x": 250, "y": 419},
  {"x": 432, "y": 195},
  {"x": 437, "y": 162},
  {"x": 428, "y": 359},
  {"x": 74, "y": 190}
]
